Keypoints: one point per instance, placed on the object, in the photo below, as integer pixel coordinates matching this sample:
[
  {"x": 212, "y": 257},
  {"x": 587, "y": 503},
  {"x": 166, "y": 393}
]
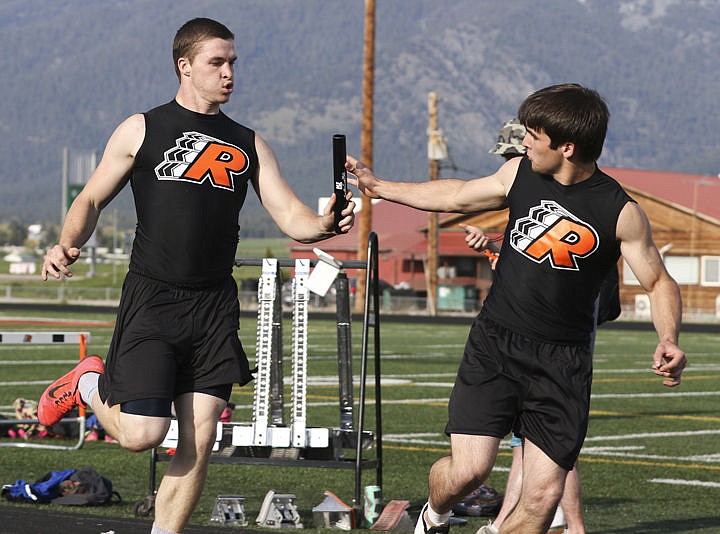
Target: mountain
[{"x": 73, "y": 69}]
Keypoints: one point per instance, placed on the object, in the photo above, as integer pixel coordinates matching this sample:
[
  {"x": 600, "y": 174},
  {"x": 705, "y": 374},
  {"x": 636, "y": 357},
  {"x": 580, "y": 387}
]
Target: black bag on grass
[{"x": 86, "y": 487}]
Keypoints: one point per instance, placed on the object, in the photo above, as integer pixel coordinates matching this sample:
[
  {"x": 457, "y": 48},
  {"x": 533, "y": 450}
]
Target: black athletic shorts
[
  {"x": 171, "y": 340},
  {"x": 539, "y": 390}
]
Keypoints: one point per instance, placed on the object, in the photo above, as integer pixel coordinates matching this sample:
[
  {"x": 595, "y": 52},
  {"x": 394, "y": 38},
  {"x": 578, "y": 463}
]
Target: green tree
[
  {"x": 50, "y": 235},
  {"x": 12, "y": 232}
]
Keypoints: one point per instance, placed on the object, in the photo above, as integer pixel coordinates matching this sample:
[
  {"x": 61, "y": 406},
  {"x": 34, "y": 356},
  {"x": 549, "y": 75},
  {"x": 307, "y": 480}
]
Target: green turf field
[{"x": 651, "y": 462}]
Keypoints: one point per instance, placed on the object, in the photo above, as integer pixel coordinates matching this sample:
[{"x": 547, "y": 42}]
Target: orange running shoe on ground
[{"x": 62, "y": 395}]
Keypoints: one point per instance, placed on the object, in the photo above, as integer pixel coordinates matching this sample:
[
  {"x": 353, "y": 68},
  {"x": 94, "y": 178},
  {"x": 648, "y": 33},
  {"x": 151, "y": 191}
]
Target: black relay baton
[{"x": 339, "y": 177}]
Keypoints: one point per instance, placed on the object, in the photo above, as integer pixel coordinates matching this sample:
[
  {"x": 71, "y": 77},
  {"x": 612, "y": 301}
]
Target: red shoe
[{"x": 62, "y": 395}]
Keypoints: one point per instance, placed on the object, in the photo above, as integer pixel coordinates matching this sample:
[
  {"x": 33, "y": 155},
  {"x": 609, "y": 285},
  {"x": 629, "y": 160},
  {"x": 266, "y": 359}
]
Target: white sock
[
  {"x": 88, "y": 386},
  {"x": 159, "y": 530},
  {"x": 435, "y": 518}
]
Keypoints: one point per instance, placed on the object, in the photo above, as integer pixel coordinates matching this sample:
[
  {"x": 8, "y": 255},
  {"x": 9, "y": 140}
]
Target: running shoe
[
  {"x": 422, "y": 527},
  {"x": 482, "y": 502},
  {"x": 62, "y": 395}
]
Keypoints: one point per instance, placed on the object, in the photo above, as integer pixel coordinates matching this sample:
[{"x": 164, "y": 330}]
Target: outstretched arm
[
  {"x": 292, "y": 216},
  {"x": 447, "y": 195},
  {"x": 107, "y": 180},
  {"x": 641, "y": 254}
]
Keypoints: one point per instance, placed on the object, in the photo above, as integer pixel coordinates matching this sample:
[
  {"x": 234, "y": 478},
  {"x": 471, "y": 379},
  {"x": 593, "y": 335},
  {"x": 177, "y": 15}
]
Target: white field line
[
  {"x": 694, "y": 368},
  {"x": 679, "y": 482},
  {"x": 39, "y": 362},
  {"x": 33, "y": 320},
  {"x": 30, "y": 383},
  {"x": 332, "y": 355},
  {"x": 668, "y": 395},
  {"x": 623, "y": 452},
  {"x": 653, "y": 435},
  {"x": 441, "y": 400},
  {"x": 397, "y": 380},
  {"x": 638, "y": 370},
  {"x": 440, "y": 440},
  {"x": 327, "y": 382},
  {"x": 675, "y": 394},
  {"x": 34, "y": 346}
]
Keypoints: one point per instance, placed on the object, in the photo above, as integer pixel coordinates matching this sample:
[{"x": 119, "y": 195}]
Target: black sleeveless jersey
[
  {"x": 189, "y": 182},
  {"x": 559, "y": 245}
]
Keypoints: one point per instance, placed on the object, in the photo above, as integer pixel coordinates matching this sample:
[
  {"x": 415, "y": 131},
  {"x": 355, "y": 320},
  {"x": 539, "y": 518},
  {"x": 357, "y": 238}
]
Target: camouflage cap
[{"x": 510, "y": 139}]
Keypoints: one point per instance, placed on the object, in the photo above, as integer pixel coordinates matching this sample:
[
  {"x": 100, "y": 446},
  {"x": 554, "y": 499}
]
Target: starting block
[
  {"x": 394, "y": 517},
  {"x": 279, "y": 511},
  {"x": 229, "y": 510}
]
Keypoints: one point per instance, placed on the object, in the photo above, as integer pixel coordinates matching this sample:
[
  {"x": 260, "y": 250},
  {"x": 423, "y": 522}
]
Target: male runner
[
  {"x": 508, "y": 146},
  {"x": 527, "y": 365},
  {"x": 175, "y": 338}
]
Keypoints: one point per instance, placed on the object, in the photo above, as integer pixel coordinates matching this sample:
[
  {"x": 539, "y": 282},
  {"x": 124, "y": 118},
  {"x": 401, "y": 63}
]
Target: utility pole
[
  {"x": 64, "y": 185},
  {"x": 431, "y": 266},
  {"x": 366, "y": 143}
]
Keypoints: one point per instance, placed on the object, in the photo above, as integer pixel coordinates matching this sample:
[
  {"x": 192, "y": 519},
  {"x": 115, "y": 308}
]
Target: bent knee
[
  {"x": 199, "y": 445},
  {"x": 541, "y": 501},
  {"x": 134, "y": 443},
  {"x": 141, "y": 436},
  {"x": 458, "y": 479}
]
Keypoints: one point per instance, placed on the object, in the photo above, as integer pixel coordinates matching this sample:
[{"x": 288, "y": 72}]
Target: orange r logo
[
  {"x": 198, "y": 157},
  {"x": 563, "y": 241},
  {"x": 550, "y": 232},
  {"x": 218, "y": 163}
]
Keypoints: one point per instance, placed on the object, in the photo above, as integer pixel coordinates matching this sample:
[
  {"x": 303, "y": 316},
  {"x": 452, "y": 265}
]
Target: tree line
[{"x": 255, "y": 223}]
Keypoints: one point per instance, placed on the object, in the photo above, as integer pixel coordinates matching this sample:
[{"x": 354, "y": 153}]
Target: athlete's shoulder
[
  {"x": 508, "y": 171},
  {"x": 519, "y": 166},
  {"x": 129, "y": 134},
  {"x": 167, "y": 107},
  {"x": 517, "y": 173},
  {"x": 236, "y": 124},
  {"x": 264, "y": 151},
  {"x": 611, "y": 183},
  {"x": 602, "y": 175},
  {"x": 134, "y": 122}
]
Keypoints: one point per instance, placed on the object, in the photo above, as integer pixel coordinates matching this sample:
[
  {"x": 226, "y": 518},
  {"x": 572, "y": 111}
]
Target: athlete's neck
[
  {"x": 197, "y": 105},
  {"x": 575, "y": 172}
]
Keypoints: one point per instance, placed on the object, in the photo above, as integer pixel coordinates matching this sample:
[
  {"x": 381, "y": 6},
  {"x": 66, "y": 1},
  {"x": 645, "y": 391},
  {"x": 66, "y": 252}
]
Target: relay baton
[{"x": 339, "y": 177}]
